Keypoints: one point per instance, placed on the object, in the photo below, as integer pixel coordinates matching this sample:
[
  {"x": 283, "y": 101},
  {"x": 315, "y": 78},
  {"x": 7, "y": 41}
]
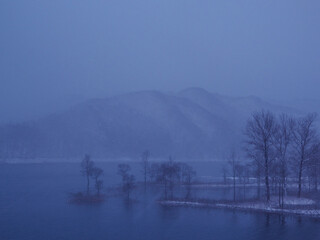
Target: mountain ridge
[{"x": 192, "y": 123}]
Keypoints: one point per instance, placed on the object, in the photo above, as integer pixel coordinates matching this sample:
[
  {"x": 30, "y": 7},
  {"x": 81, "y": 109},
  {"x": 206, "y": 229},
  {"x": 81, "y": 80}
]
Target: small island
[{"x": 89, "y": 171}]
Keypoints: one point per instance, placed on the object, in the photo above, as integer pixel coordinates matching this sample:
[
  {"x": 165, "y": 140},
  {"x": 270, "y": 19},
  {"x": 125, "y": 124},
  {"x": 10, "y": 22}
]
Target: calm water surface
[{"x": 33, "y": 205}]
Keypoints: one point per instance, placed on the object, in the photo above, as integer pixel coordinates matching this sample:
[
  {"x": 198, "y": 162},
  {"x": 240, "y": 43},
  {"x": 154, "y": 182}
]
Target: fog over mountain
[{"x": 192, "y": 124}]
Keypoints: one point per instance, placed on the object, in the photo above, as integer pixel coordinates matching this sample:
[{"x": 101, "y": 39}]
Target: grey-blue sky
[{"x": 54, "y": 51}]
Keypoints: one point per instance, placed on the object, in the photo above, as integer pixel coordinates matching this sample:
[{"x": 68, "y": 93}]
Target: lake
[{"x": 33, "y": 205}]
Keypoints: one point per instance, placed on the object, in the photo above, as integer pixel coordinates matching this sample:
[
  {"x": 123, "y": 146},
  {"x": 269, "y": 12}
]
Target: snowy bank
[{"x": 295, "y": 206}]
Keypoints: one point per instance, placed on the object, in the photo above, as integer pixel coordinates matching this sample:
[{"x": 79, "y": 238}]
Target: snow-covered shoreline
[
  {"x": 61, "y": 160},
  {"x": 305, "y": 206},
  {"x": 98, "y": 159}
]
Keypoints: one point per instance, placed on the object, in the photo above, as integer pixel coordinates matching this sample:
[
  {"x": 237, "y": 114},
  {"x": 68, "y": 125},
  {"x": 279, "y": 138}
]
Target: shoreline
[
  {"x": 98, "y": 159},
  {"x": 260, "y": 207}
]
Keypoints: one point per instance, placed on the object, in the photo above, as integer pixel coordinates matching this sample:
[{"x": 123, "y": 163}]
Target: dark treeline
[
  {"x": 280, "y": 148},
  {"x": 169, "y": 174}
]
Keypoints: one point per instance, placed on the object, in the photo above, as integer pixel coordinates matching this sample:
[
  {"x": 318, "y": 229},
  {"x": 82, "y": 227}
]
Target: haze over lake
[
  {"x": 34, "y": 206},
  {"x": 163, "y": 119}
]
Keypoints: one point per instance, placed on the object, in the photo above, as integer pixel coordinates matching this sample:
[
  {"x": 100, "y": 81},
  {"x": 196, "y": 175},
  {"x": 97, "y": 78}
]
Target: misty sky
[{"x": 53, "y": 53}]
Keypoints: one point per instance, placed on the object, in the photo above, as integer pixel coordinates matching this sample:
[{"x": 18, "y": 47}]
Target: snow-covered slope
[{"x": 193, "y": 124}]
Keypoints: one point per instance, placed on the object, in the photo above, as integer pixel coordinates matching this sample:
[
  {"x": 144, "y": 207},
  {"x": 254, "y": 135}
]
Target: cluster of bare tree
[
  {"x": 168, "y": 173},
  {"x": 280, "y": 146},
  {"x": 90, "y": 171}
]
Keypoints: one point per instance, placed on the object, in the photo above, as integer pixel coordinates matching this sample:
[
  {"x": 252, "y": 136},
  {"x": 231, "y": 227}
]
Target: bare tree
[
  {"x": 128, "y": 180},
  {"x": 96, "y": 174},
  {"x": 282, "y": 140},
  {"x": 153, "y": 171},
  {"x": 305, "y": 139},
  {"x": 99, "y": 185},
  {"x": 257, "y": 170},
  {"x": 243, "y": 173},
  {"x": 123, "y": 169},
  {"x": 87, "y": 166},
  {"x": 129, "y": 184},
  {"x": 239, "y": 173},
  {"x": 224, "y": 174},
  {"x": 145, "y": 166},
  {"x": 313, "y": 166},
  {"x": 173, "y": 174},
  {"x": 232, "y": 162},
  {"x": 246, "y": 177},
  {"x": 259, "y": 131},
  {"x": 187, "y": 174},
  {"x": 168, "y": 174}
]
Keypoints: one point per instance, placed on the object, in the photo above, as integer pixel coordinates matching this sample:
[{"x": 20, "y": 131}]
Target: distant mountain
[{"x": 192, "y": 124}]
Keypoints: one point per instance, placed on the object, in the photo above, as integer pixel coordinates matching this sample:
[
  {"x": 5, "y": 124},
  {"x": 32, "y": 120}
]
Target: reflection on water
[{"x": 33, "y": 206}]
